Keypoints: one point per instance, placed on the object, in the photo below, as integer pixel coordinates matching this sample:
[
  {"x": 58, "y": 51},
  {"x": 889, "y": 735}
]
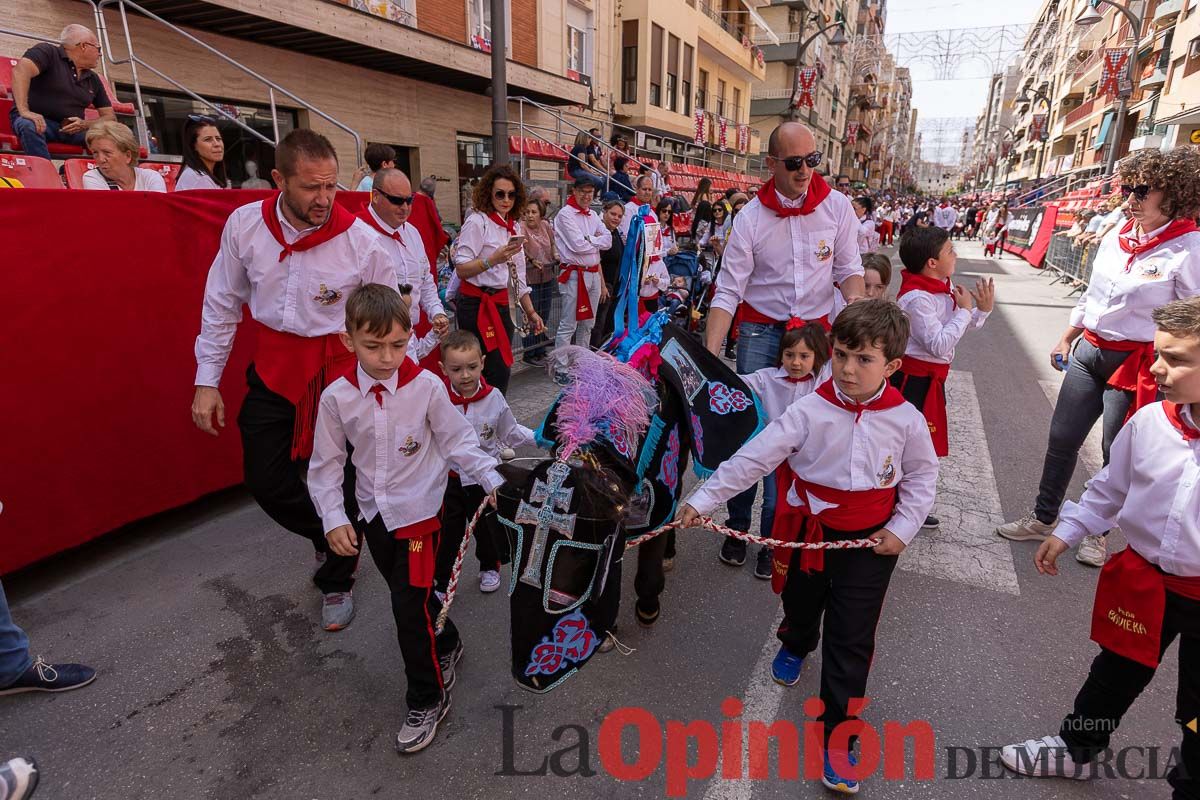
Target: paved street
[{"x": 216, "y": 682}]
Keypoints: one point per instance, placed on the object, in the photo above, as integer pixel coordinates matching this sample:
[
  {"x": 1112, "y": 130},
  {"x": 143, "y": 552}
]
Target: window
[
  {"x": 479, "y": 14},
  {"x": 737, "y": 104},
  {"x": 579, "y": 43},
  {"x": 720, "y": 98},
  {"x": 672, "y": 73},
  {"x": 629, "y": 61},
  {"x": 687, "y": 80},
  {"x": 702, "y": 91},
  {"x": 656, "y": 65}
]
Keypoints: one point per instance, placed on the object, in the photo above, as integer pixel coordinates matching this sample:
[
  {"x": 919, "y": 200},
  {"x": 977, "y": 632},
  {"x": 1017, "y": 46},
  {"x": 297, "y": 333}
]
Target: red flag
[{"x": 1114, "y": 68}]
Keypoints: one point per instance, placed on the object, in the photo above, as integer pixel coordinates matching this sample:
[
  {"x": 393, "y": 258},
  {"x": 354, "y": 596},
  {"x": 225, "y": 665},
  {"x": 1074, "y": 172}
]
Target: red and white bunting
[
  {"x": 699, "y": 119},
  {"x": 743, "y": 138},
  {"x": 1113, "y": 69},
  {"x": 851, "y": 132},
  {"x": 724, "y": 134},
  {"x": 806, "y": 81},
  {"x": 1037, "y": 127}
]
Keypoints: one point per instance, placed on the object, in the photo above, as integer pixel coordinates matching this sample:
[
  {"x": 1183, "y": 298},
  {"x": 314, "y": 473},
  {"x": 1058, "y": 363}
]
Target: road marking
[
  {"x": 1092, "y": 452},
  {"x": 965, "y": 547}
]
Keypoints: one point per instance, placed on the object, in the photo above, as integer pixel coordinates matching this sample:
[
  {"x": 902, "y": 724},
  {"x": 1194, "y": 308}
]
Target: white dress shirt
[
  {"x": 1119, "y": 298},
  {"x": 191, "y": 179},
  {"x": 776, "y": 392},
  {"x": 145, "y": 180},
  {"x": 412, "y": 267},
  {"x": 402, "y": 450},
  {"x": 945, "y": 217},
  {"x": 495, "y": 425},
  {"x": 1151, "y": 489},
  {"x": 785, "y": 266},
  {"x": 479, "y": 238},
  {"x": 291, "y": 296},
  {"x": 631, "y": 210},
  {"x": 824, "y": 445},
  {"x": 868, "y": 237},
  {"x": 580, "y": 237},
  {"x": 936, "y": 325}
]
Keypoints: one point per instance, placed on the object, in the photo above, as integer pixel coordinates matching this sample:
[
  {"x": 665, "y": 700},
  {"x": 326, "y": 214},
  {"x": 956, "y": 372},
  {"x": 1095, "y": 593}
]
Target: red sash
[
  {"x": 338, "y": 223},
  {"x": 748, "y": 313},
  {"x": 818, "y": 190},
  {"x": 490, "y": 319},
  {"x": 1134, "y": 373},
  {"x": 1131, "y": 598},
  {"x": 850, "y": 511},
  {"x": 583, "y": 303},
  {"x": 935, "y": 401}
]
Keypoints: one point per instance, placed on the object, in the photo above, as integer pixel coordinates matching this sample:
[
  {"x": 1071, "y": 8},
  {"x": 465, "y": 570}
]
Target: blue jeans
[
  {"x": 757, "y": 348},
  {"x": 599, "y": 182},
  {"x": 542, "y": 297},
  {"x": 34, "y": 143},
  {"x": 742, "y": 506},
  {"x": 14, "y": 646}
]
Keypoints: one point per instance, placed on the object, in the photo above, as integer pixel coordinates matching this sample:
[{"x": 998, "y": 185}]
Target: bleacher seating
[
  {"x": 74, "y": 168},
  {"x": 31, "y": 172}
]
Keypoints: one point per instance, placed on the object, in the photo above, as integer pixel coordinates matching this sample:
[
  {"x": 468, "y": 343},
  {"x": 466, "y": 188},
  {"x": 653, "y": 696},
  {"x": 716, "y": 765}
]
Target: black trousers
[
  {"x": 495, "y": 371},
  {"x": 415, "y": 609},
  {"x": 460, "y": 504},
  {"x": 849, "y": 594},
  {"x": 603, "y": 328},
  {"x": 1114, "y": 682},
  {"x": 915, "y": 389},
  {"x": 648, "y": 583},
  {"x": 276, "y": 481}
]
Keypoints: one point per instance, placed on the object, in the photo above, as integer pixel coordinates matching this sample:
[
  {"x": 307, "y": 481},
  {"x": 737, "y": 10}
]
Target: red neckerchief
[
  {"x": 1186, "y": 430},
  {"x": 918, "y": 282},
  {"x": 366, "y": 216},
  {"x": 1131, "y": 245},
  {"x": 338, "y": 223},
  {"x": 818, "y": 190},
  {"x": 889, "y": 399},
  {"x": 405, "y": 374},
  {"x": 803, "y": 379},
  {"x": 458, "y": 400},
  {"x": 509, "y": 225},
  {"x": 571, "y": 202},
  {"x": 943, "y": 205}
]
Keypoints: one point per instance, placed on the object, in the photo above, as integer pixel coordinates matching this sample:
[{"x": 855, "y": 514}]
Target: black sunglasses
[
  {"x": 1141, "y": 191},
  {"x": 813, "y": 160},
  {"x": 397, "y": 199},
  {"x": 500, "y": 194}
]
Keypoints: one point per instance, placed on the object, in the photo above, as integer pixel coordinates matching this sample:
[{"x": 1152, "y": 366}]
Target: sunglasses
[
  {"x": 1141, "y": 191},
  {"x": 500, "y": 194},
  {"x": 812, "y": 160},
  {"x": 396, "y": 199}
]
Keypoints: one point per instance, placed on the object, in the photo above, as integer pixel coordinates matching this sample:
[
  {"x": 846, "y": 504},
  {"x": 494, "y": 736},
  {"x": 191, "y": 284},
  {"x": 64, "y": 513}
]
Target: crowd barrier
[
  {"x": 1029, "y": 232},
  {"x": 1072, "y": 262}
]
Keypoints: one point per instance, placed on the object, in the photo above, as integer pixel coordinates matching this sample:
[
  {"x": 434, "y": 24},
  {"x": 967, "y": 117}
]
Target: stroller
[{"x": 686, "y": 265}]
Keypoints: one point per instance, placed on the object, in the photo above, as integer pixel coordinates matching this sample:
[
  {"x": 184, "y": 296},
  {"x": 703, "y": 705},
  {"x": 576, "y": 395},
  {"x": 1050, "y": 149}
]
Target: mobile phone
[{"x": 516, "y": 240}]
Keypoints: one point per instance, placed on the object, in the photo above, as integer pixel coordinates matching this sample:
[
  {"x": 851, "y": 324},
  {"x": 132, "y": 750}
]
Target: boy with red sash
[
  {"x": 291, "y": 258},
  {"x": 403, "y": 434},
  {"x": 1149, "y": 593},
  {"x": 498, "y": 430},
  {"x": 863, "y": 466},
  {"x": 939, "y": 314},
  {"x": 579, "y": 235}
]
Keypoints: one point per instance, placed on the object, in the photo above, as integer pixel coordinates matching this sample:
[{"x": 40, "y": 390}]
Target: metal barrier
[{"x": 1071, "y": 261}]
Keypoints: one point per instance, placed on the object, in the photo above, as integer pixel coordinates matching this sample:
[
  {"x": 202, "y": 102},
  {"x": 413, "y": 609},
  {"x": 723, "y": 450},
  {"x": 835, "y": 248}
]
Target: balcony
[
  {"x": 1083, "y": 112},
  {"x": 1166, "y": 12}
]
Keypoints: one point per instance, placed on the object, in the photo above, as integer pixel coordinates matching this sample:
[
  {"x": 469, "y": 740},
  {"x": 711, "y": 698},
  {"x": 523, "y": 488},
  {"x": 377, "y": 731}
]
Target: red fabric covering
[{"x": 78, "y": 464}]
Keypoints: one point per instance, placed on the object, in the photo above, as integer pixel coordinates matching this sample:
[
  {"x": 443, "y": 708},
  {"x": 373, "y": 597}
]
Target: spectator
[
  {"x": 580, "y": 164},
  {"x": 428, "y": 186},
  {"x": 1082, "y": 220},
  {"x": 842, "y": 184},
  {"x": 868, "y": 237},
  {"x": 377, "y": 157},
  {"x": 722, "y": 222},
  {"x": 52, "y": 85},
  {"x": 610, "y": 268},
  {"x": 116, "y": 154},
  {"x": 595, "y": 154},
  {"x": 665, "y": 210},
  {"x": 21, "y": 673},
  {"x": 738, "y": 201},
  {"x": 541, "y": 268},
  {"x": 203, "y": 155},
  {"x": 618, "y": 183},
  {"x": 662, "y": 180}
]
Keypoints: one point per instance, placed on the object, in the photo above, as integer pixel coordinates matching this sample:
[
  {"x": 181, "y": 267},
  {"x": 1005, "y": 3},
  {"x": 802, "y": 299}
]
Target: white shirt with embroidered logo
[
  {"x": 1120, "y": 296},
  {"x": 1151, "y": 489},
  {"x": 786, "y": 266},
  {"x": 479, "y": 238},
  {"x": 937, "y": 325},
  {"x": 412, "y": 267},
  {"x": 402, "y": 450},
  {"x": 495, "y": 425},
  {"x": 304, "y": 294},
  {"x": 825, "y": 445}
]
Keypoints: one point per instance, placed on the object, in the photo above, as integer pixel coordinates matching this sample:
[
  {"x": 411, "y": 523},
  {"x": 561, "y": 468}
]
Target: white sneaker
[
  {"x": 508, "y": 454},
  {"x": 1047, "y": 757},
  {"x": 1027, "y": 529},
  {"x": 489, "y": 581},
  {"x": 1093, "y": 551}
]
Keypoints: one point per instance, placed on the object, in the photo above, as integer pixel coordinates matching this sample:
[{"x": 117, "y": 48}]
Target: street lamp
[
  {"x": 1088, "y": 17},
  {"x": 837, "y": 40}
]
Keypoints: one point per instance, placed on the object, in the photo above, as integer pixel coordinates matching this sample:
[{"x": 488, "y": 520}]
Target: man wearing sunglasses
[
  {"x": 786, "y": 249},
  {"x": 391, "y": 204},
  {"x": 51, "y": 87}
]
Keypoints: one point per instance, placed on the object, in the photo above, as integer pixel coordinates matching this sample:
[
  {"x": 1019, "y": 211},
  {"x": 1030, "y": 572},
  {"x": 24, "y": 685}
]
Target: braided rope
[{"x": 452, "y": 586}]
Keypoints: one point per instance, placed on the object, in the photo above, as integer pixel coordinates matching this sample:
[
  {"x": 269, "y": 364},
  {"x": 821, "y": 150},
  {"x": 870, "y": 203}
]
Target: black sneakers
[
  {"x": 733, "y": 552},
  {"x": 762, "y": 566},
  {"x": 43, "y": 677}
]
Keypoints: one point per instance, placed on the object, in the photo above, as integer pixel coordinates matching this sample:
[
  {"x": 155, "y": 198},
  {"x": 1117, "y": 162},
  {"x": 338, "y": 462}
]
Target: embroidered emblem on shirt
[
  {"x": 723, "y": 400},
  {"x": 887, "y": 475},
  {"x": 410, "y": 446},
  {"x": 824, "y": 252},
  {"x": 1150, "y": 270},
  {"x": 486, "y": 432},
  {"x": 326, "y": 296}
]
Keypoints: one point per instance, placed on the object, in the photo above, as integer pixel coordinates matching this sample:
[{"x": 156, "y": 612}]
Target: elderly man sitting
[{"x": 52, "y": 85}]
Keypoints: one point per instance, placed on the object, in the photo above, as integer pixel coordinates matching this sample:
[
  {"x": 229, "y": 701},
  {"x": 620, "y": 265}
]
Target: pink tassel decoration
[{"x": 601, "y": 394}]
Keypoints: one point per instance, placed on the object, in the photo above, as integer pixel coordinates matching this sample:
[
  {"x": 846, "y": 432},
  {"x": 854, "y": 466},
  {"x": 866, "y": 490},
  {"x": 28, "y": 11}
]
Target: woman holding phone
[{"x": 490, "y": 240}]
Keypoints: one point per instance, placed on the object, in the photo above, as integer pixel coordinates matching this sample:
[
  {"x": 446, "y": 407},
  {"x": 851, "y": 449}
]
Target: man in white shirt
[
  {"x": 293, "y": 259},
  {"x": 944, "y": 216},
  {"x": 662, "y": 183},
  {"x": 579, "y": 235}
]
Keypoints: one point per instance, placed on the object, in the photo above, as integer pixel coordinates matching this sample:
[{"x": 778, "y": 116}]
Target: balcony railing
[
  {"x": 1081, "y": 113},
  {"x": 734, "y": 27}
]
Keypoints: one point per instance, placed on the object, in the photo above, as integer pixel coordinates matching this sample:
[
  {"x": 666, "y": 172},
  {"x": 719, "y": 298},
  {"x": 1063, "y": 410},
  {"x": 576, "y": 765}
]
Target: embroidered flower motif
[
  {"x": 326, "y": 296},
  {"x": 621, "y": 443},
  {"x": 571, "y": 642},
  {"x": 697, "y": 436},
  {"x": 668, "y": 471},
  {"x": 723, "y": 400}
]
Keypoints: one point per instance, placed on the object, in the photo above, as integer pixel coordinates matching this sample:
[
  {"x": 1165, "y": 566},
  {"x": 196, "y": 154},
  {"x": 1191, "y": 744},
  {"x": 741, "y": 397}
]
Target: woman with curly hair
[
  {"x": 1153, "y": 259},
  {"x": 490, "y": 240}
]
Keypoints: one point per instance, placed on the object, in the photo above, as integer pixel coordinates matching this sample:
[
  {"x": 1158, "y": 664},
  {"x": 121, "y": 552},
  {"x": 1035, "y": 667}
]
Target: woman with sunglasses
[
  {"x": 203, "y": 155},
  {"x": 1152, "y": 259},
  {"x": 490, "y": 240}
]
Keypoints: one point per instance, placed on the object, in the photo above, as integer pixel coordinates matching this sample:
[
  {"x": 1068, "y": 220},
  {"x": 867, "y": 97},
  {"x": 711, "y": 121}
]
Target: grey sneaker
[
  {"x": 420, "y": 726},
  {"x": 1047, "y": 757},
  {"x": 448, "y": 662},
  {"x": 1093, "y": 551},
  {"x": 337, "y": 610},
  {"x": 18, "y": 778},
  {"x": 489, "y": 581},
  {"x": 1027, "y": 529}
]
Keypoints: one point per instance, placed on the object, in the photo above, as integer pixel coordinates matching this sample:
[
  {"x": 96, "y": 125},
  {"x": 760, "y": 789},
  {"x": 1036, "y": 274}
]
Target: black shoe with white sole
[
  {"x": 762, "y": 565},
  {"x": 930, "y": 523},
  {"x": 420, "y": 726},
  {"x": 733, "y": 552}
]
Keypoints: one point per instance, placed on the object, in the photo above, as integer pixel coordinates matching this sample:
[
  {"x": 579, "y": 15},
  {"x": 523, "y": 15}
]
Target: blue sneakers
[
  {"x": 43, "y": 677},
  {"x": 785, "y": 668},
  {"x": 837, "y": 783}
]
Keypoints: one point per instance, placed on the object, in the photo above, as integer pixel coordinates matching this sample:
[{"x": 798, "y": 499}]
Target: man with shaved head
[
  {"x": 787, "y": 249},
  {"x": 52, "y": 85}
]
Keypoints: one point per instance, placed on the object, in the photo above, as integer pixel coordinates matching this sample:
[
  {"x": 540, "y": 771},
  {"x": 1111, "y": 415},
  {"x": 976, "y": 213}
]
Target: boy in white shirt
[
  {"x": 497, "y": 429},
  {"x": 1149, "y": 593},
  {"x": 404, "y": 432},
  {"x": 864, "y": 467}
]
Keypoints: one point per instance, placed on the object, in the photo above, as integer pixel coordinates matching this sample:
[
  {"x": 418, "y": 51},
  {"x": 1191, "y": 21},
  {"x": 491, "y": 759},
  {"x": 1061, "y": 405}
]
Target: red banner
[
  {"x": 700, "y": 116},
  {"x": 806, "y": 81},
  {"x": 851, "y": 133},
  {"x": 1112, "y": 71},
  {"x": 743, "y": 138},
  {"x": 1037, "y": 128},
  {"x": 723, "y": 136}
]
